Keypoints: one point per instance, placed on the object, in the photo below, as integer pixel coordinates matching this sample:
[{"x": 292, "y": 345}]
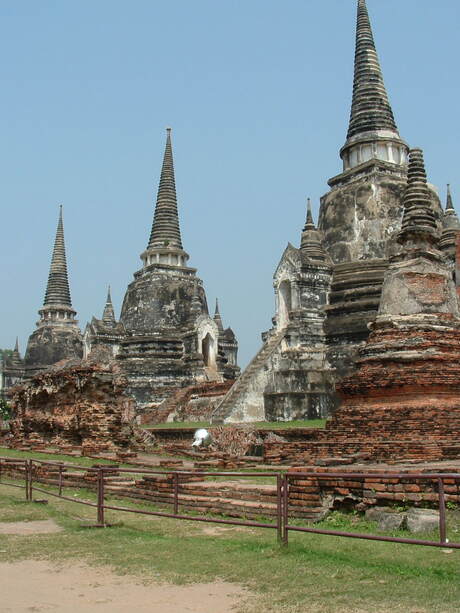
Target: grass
[
  {"x": 51, "y": 457},
  {"x": 281, "y": 425},
  {"x": 314, "y": 574},
  {"x": 178, "y": 425},
  {"x": 265, "y": 425}
]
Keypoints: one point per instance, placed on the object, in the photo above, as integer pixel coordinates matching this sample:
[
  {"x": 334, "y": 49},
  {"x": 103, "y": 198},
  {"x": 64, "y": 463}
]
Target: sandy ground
[
  {"x": 47, "y": 526},
  {"x": 36, "y": 586}
]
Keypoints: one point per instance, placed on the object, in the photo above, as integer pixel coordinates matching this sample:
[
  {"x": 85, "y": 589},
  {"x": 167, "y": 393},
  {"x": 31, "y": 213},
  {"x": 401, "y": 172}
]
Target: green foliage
[
  {"x": 5, "y": 353},
  {"x": 5, "y": 410}
]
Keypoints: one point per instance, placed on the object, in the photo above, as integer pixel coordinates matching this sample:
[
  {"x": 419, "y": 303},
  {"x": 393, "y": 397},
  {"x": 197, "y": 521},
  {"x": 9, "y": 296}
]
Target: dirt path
[
  {"x": 39, "y": 587},
  {"x": 23, "y": 528}
]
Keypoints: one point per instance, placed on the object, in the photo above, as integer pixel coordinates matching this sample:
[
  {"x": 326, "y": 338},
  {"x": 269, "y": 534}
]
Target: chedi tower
[
  {"x": 404, "y": 398},
  {"x": 170, "y": 339},
  {"x": 329, "y": 290},
  {"x": 57, "y": 336}
]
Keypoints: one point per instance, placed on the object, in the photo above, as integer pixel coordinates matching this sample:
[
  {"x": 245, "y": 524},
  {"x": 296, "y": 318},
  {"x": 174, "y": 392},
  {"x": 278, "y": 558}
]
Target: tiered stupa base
[{"x": 403, "y": 402}]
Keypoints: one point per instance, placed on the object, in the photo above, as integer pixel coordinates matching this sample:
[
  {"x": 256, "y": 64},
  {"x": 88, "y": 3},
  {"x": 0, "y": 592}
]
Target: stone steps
[{"x": 242, "y": 383}]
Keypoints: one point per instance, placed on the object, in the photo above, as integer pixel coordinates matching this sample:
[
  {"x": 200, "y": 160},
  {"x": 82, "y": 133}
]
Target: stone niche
[{"x": 81, "y": 405}]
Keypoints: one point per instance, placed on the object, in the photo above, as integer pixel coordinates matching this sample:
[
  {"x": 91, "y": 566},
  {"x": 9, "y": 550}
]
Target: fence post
[
  {"x": 442, "y": 511},
  {"x": 30, "y": 473},
  {"x": 285, "y": 522},
  {"x": 26, "y": 478},
  {"x": 176, "y": 492},
  {"x": 279, "y": 507},
  {"x": 60, "y": 480},
  {"x": 100, "y": 498}
]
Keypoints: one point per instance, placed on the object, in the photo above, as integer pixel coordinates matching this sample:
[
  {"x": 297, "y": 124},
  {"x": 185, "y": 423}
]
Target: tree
[{"x": 5, "y": 353}]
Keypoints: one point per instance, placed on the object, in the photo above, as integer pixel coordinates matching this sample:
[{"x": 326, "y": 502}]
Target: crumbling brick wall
[{"x": 81, "y": 405}]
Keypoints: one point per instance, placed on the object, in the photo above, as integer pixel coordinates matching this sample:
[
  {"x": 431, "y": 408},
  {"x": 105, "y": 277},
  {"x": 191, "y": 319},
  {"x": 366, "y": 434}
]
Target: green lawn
[
  {"x": 51, "y": 457},
  {"x": 314, "y": 574}
]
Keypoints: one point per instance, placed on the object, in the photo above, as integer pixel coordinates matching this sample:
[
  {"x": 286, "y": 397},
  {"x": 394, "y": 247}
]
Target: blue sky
[{"x": 258, "y": 95}]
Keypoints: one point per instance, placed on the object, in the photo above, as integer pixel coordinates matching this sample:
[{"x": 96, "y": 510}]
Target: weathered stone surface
[
  {"x": 50, "y": 344},
  {"x": 422, "y": 520},
  {"x": 386, "y": 519},
  {"x": 361, "y": 212}
]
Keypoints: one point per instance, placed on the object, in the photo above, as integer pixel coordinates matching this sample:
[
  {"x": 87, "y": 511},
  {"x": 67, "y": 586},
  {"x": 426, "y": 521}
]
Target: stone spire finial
[
  {"x": 57, "y": 289},
  {"x": 371, "y": 116},
  {"x": 218, "y": 318},
  {"x": 418, "y": 218},
  {"x": 370, "y": 109},
  {"x": 165, "y": 228},
  {"x": 450, "y": 220},
  {"x": 309, "y": 223},
  {"x": 16, "y": 356},
  {"x": 108, "y": 316},
  {"x": 449, "y": 203},
  {"x": 311, "y": 241}
]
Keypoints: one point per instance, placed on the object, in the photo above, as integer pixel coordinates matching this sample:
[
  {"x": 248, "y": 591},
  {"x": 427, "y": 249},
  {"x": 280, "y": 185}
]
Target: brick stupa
[
  {"x": 403, "y": 401},
  {"x": 404, "y": 398}
]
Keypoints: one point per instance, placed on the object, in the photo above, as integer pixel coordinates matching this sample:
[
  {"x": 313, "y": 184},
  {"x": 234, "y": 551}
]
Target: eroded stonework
[
  {"x": 165, "y": 339},
  {"x": 324, "y": 309},
  {"x": 82, "y": 406}
]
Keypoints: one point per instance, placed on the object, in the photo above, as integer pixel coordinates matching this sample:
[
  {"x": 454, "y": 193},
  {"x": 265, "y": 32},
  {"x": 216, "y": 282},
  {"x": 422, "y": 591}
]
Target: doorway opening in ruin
[
  {"x": 284, "y": 303},
  {"x": 208, "y": 349}
]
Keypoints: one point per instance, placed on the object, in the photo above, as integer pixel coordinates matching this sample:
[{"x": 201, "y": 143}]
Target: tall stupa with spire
[
  {"x": 57, "y": 336},
  {"x": 361, "y": 214},
  {"x": 169, "y": 339},
  {"x": 328, "y": 291}
]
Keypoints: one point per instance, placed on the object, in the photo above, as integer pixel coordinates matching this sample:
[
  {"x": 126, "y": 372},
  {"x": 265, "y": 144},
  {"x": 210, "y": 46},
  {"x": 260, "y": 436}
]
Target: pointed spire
[
  {"x": 108, "y": 316},
  {"x": 16, "y": 356},
  {"x": 218, "y": 318},
  {"x": 450, "y": 220},
  {"x": 449, "y": 204},
  {"x": 372, "y": 132},
  {"x": 165, "y": 228},
  {"x": 309, "y": 224},
  {"x": 370, "y": 108},
  {"x": 419, "y": 218},
  {"x": 57, "y": 289},
  {"x": 311, "y": 241}
]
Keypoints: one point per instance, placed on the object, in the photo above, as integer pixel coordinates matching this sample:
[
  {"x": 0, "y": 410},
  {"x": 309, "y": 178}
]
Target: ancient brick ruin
[
  {"x": 83, "y": 407},
  {"x": 165, "y": 339},
  {"x": 329, "y": 290},
  {"x": 403, "y": 401},
  {"x": 367, "y": 327}
]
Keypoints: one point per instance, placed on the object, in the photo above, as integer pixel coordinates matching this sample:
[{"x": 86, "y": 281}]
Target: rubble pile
[
  {"x": 192, "y": 403},
  {"x": 235, "y": 441},
  {"x": 81, "y": 405}
]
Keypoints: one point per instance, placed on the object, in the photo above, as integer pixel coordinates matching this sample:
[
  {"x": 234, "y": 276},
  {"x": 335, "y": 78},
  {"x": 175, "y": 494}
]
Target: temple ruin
[
  {"x": 165, "y": 339},
  {"x": 328, "y": 291},
  {"x": 366, "y": 324}
]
